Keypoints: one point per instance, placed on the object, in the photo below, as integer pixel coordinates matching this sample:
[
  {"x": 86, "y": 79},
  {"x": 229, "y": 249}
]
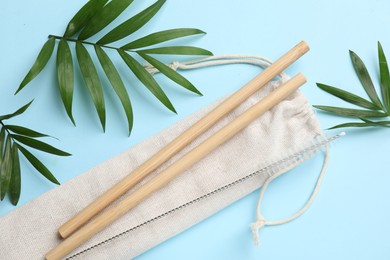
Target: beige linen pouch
[{"x": 233, "y": 170}]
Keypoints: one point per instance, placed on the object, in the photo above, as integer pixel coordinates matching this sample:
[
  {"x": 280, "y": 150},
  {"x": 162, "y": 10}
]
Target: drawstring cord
[
  {"x": 262, "y": 222},
  {"x": 215, "y": 61}
]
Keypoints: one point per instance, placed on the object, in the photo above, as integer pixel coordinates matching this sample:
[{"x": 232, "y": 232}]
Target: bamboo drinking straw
[
  {"x": 189, "y": 159},
  {"x": 183, "y": 140}
]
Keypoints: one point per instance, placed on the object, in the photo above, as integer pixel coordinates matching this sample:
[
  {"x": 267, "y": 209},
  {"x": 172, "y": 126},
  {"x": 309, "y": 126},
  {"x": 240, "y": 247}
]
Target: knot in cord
[
  {"x": 174, "y": 65},
  {"x": 255, "y": 227},
  {"x": 153, "y": 70}
]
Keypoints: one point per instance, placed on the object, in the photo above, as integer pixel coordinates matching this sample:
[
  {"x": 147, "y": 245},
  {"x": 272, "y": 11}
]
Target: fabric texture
[{"x": 30, "y": 231}]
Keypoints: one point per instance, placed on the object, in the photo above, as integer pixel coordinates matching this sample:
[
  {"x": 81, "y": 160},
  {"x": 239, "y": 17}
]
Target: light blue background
[{"x": 350, "y": 216}]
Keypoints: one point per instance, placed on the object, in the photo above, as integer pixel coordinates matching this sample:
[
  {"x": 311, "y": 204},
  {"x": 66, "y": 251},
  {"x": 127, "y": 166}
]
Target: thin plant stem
[
  {"x": 84, "y": 42},
  {"x": 5, "y": 128}
]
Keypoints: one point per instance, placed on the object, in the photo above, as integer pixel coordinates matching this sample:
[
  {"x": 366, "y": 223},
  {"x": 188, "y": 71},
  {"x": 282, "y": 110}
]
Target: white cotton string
[
  {"x": 260, "y": 220},
  {"x": 215, "y": 61}
]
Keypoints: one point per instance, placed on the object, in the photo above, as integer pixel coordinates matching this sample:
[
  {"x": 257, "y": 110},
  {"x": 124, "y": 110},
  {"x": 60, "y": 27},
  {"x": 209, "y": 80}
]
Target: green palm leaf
[
  {"x": 83, "y": 16},
  {"x": 2, "y": 142},
  {"x": 24, "y": 131},
  {"x": 17, "y": 112},
  {"x": 178, "y": 50},
  {"x": 15, "y": 184},
  {"x": 170, "y": 73},
  {"x": 376, "y": 123},
  {"x": 384, "y": 78},
  {"x": 38, "y": 165},
  {"x": 349, "y": 97},
  {"x": 132, "y": 25},
  {"x": 146, "y": 79},
  {"x": 40, "y": 63},
  {"x": 365, "y": 123},
  {"x": 160, "y": 37},
  {"x": 6, "y": 168},
  {"x": 352, "y": 112},
  {"x": 92, "y": 81},
  {"x": 39, "y": 145},
  {"x": 65, "y": 76},
  {"x": 117, "y": 83},
  {"x": 104, "y": 17},
  {"x": 352, "y": 124},
  {"x": 365, "y": 78}
]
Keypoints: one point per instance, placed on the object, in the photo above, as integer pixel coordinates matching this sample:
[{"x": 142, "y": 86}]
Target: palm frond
[
  {"x": 93, "y": 17},
  {"x": 13, "y": 138},
  {"x": 375, "y": 108}
]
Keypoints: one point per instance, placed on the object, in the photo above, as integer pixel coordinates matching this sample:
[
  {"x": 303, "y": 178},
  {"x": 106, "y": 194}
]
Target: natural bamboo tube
[
  {"x": 189, "y": 159},
  {"x": 183, "y": 140}
]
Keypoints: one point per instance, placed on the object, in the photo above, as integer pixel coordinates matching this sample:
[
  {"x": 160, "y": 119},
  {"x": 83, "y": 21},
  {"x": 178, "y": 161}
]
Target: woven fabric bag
[{"x": 272, "y": 144}]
